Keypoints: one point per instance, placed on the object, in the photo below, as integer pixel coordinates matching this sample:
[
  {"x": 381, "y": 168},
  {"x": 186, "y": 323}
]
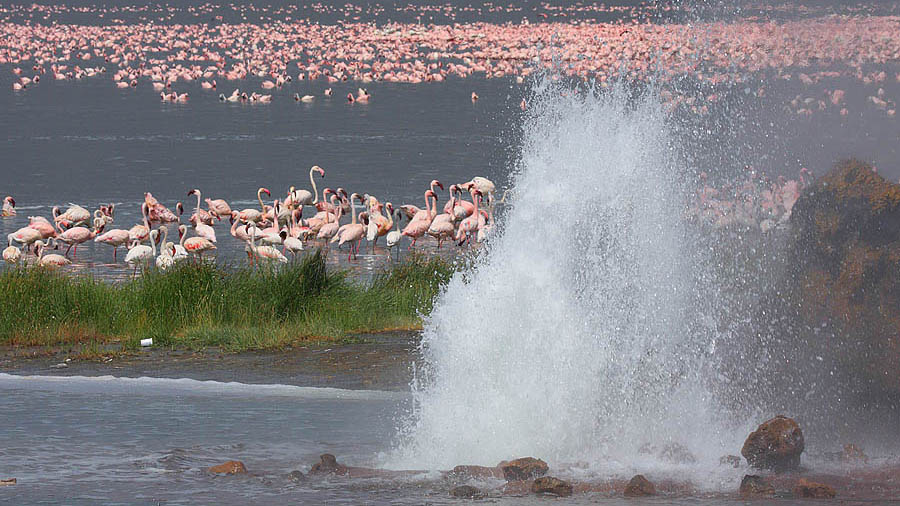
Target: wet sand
[{"x": 367, "y": 361}]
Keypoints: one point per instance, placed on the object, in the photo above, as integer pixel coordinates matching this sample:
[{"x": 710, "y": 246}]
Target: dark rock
[
  {"x": 776, "y": 444},
  {"x": 525, "y": 468},
  {"x": 467, "y": 492},
  {"x": 756, "y": 486},
  {"x": 230, "y": 467},
  {"x": 639, "y": 487},
  {"x": 677, "y": 454},
  {"x": 296, "y": 476},
  {"x": 552, "y": 486},
  {"x": 730, "y": 460},
  {"x": 804, "y": 489},
  {"x": 328, "y": 464}
]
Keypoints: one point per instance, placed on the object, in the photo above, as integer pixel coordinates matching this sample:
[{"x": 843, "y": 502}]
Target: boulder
[
  {"x": 467, "y": 492},
  {"x": 639, "y": 487},
  {"x": 776, "y": 444},
  {"x": 328, "y": 464},
  {"x": 296, "y": 476},
  {"x": 552, "y": 486},
  {"x": 730, "y": 460},
  {"x": 230, "y": 467},
  {"x": 805, "y": 489},
  {"x": 526, "y": 468},
  {"x": 756, "y": 486}
]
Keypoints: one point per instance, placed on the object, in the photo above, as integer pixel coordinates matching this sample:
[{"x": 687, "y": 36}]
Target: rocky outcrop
[
  {"x": 327, "y": 465},
  {"x": 756, "y": 486},
  {"x": 776, "y": 444},
  {"x": 467, "y": 492},
  {"x": 526, "y": 468},
  {"x": 551, "y": 486},
  {"x": 639, "y": 486},
  {"x": 230, "y": 467},
  {"x": 474, "y": 472},
  {"x": 805, "y": 489},
  {"x": 847, "y": 260}
]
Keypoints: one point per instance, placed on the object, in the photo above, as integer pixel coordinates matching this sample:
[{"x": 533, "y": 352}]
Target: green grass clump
[{"x": 199, "y": 305}]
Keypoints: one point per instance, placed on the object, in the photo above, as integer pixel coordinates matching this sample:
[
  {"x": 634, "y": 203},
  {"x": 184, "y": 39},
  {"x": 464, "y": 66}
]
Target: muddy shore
[{"x": 367, "y": 361}]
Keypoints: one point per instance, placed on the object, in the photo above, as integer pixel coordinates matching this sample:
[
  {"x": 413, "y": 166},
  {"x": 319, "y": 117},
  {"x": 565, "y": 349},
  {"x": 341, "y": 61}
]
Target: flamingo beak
[
  {"x": 12, "y": 201},
  {"x": 266, "y": 191},
  {"x": 440, "y": 185}
]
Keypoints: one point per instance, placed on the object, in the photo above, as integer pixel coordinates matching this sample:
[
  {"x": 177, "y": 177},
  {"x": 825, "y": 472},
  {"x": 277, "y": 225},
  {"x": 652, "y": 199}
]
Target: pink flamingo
[{"x": 420, "y": 223}]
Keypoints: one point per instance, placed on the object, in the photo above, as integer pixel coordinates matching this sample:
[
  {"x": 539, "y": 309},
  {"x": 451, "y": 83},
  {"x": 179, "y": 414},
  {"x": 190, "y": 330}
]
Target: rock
[
  {"x": 467, "y": 492},
  {"x": 296, "y": 476},
  {"x": 776, "y": 444},
  {"x": 7, "y": 483},
  {"x": 525, "y": 468},
  {"x": 677, "y": 454},
  {"x": 230, "y": 467},
  {"x": 853, "y": 454},
  {"x": 469, "y": 472},
  {"x": 846, "y": 253},
  {"x": 639, "y": 487},
  {"x": 552, "y": 486},
  {"x": 730, "y": 460},
  {"x": 809, "y": 489},
  {"x": 328, "y": 464},
  {"x": 755, "y": 486},
  {"x": 61, "y": 365}
]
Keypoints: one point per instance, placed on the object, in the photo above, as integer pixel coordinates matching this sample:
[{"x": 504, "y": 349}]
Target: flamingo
[
  {"x": 78, "y": 235},
  {"x": 198, "y": 245},
  {"x": 328, "y": 230},
  {"x": 12, "y": 255},
  {"x": 25, "y": 236},
  {"x": 116, "y": 237},
  {"x": 252, "y": 215},
  {"x": 141, "y": 254},
  {"x": 420, "y": 222},
  {"x": 353, "y": 231},
  {"x": 166, "y": 256},
  {"x": 264, "y": 252},
  {"x": 43, "y": 226},
  {"x": 74, "y": 215},
  {"x": 442, "y": 227},
  {"x": 219, "y": 207},
  {"x": 200, "y": 227},
  {"x": 181, "y": 253},
  {"x": 304, "y": 197},
  {"x": 470, "y": 224},
  {"x": 141, "y": 232},
  {"x": 379, "y": 225},
  {"x": 9, "y": 207},
  {"x": 393, "y": 237},
  {"x": 52, "y": 261}
]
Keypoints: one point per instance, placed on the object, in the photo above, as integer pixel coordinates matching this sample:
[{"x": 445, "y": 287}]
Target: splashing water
[{"x": 579, "y": 335}]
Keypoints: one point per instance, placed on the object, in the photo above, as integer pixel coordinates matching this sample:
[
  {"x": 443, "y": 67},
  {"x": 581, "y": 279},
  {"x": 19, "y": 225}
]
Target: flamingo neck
[
  {"x": 198, "y": 206},
  {"x": 312, "y": 181}
]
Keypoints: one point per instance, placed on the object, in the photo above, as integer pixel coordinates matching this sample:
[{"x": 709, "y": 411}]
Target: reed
[{"x": 236, "y": 308}]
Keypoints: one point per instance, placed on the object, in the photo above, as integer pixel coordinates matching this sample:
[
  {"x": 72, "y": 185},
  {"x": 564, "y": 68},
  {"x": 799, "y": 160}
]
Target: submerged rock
[
  {"x": 552, "y": 486},
  {"x": 467, "y": 492},
  {"x": 756, "y": 486},
  {"x": 730, "y": 460},
  {"x": 296, "y": 476},
  {"x": 230, "y": 467},
  {"x": 525, "y": 468},
  {"x": 469, "y": 472},
  {"x": 804, "y": 489},
  {"x": 677, "y": 454},
  {"x": 639, "y": 486},
  {"x": 776, "y": 444},
  {"x": 328, "y": 464}
]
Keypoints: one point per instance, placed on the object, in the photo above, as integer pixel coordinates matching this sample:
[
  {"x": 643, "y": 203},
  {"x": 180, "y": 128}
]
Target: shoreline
[{"x": 376, "y": 361}]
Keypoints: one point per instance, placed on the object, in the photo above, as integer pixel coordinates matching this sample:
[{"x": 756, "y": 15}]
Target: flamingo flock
[
  {"x": 283, "y": 51},
  {"x": 269, "y": 232}
]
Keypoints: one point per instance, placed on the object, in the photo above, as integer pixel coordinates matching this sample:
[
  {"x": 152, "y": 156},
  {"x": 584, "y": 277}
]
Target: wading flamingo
[
  {"x": 51, "y": 261},
  {"x": 200, "y": 227},
  {"x": 9, "y": 207},
  {"x": 141, "y": 254},
  {"x": 304, "y": 197}
]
